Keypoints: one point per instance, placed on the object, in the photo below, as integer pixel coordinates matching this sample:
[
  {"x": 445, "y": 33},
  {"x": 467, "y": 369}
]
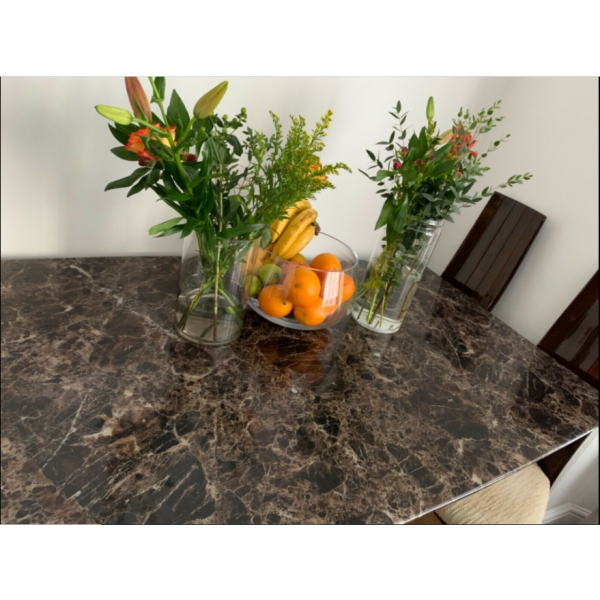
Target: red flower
[
  {"x": 464, "y": 141},
  {"x": 397, "y": 164}
]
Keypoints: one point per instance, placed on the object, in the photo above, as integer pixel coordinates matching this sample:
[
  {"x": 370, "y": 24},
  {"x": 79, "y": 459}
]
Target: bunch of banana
[
  {"x": 292, "y": 235},
  {"x": 278, "y": 226}
]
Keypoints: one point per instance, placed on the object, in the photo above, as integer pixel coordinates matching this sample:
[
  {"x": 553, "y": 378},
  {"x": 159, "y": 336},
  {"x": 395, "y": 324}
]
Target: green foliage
[
  {"x": 427, "y": 179},
  {"x": 282, "y": 171},
  {"x": 193, "y": 164}
]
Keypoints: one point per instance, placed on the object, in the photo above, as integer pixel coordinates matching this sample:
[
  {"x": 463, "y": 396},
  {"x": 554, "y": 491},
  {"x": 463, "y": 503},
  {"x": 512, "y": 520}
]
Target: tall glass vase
[
  {"x": 393, "y": 274},
  {"x": 212, "y": 295}
]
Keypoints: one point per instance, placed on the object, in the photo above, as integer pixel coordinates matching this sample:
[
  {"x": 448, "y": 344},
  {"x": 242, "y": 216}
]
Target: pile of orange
[{"x": 311, "y": 292}]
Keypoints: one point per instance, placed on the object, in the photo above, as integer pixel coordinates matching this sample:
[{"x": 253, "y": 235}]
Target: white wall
[
  {"x": 56, "y": 162},
  {"x": 575, "y": 491},
  {"x": 554, "y": 127},
  {"x": 56, "y": 159}
]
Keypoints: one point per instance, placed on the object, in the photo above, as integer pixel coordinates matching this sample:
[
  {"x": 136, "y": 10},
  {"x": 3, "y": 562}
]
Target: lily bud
[
  {"x": 138, "y": 99},
  {"x": 430, "y": 108},
  {"x": 446, "y": 137},
  {"x": 118, "y": 115},
  {"x": 207, "y": 104}
]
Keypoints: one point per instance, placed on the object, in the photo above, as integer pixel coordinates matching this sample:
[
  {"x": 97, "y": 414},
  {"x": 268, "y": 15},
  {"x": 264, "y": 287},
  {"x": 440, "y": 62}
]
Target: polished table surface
[{"x": 109, "y": 417}]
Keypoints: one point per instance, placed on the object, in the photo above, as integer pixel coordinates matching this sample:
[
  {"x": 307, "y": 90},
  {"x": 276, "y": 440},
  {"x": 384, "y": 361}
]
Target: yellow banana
[
  {"x": 286, "y": 241},
  {"x": 301, "y": 242},
  {"x": 278, "y": 227}
]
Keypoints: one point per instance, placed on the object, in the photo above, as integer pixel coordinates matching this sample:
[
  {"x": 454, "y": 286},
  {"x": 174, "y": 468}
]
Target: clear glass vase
[
  {"x": 393, "y": 274},
  {"x": 212, "y": 295}
]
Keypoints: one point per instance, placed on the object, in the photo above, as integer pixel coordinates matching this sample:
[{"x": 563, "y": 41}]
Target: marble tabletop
[{"x": 109, "y": 417}]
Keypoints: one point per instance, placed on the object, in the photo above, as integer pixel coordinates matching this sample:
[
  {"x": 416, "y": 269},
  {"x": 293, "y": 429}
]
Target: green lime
[
  {"x": 255, "y": 287},
  {"x": 269, "y": 274}
]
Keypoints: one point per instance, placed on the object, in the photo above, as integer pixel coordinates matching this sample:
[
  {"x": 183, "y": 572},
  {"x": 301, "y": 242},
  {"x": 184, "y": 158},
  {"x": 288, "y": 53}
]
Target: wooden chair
[
  {"x": 493, "y": 250},
  {"x": 573, "y": 339}
]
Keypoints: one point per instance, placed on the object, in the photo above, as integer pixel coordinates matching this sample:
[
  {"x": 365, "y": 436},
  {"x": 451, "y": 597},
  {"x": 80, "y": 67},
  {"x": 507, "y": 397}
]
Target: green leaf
[
  {"x": 152, "y": 177},
  {"x": 164, "y": 226},
  {"x": 216, "y": 151},
  {"x": 386, "y": 210},
  {"x": 139, "y": 186},
  {"x": 371, "y": 155},
  {"x": 121, "y": 137},
  {"x": 399, "y": 217},
  {"x": 189, "y": 227},
  {"x": 157, "y": 119},
  {"x": 160, "y": 84},
  {"x": 235, "y": 144},
  {"x": 177, "y": 113},
  {"x": 178, "y": 196},
  {"x": 265, "y": 238},
  {"x": 120, "y": 152},
  {"x": 383, "y": 174},
  {"x": 241, "y": 230},
  {"x": 448, "y": 218},
  {"x": 442, "y": 168},
  {"x": 171, "y": 231},
  {"x": 126, "y": 181}
]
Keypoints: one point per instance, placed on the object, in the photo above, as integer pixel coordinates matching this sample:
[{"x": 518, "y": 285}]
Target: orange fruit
[
  {"x": 326, "y": 262},
  {"x": 330, "y": 308},
  {"x": 331, "y": 288},
  {"x": 313, "y": 314},
  {"x": 272, "y": 301},
  {"x": 291, "y": 266},
  {"x": 302, "y": 286},
  {"x": 349, "y": 288},
  {"x": 300, "y": 258}
]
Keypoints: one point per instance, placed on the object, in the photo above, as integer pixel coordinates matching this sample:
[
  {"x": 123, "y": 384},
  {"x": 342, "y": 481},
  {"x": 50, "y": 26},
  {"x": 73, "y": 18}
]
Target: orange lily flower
[{"x": 136, "y": 144}]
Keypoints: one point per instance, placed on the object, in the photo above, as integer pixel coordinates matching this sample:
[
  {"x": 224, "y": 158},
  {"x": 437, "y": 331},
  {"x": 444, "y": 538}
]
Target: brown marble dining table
[{"x": 109, "y": 417}]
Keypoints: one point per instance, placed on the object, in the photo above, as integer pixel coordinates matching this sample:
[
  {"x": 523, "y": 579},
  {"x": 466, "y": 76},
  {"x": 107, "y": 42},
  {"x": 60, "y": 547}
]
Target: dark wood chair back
[
  {"x": 573, "y": 339},
  {"x": 493, "y": 250}
]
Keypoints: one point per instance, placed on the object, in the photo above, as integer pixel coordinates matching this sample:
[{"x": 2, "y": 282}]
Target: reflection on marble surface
[{"x": 108, "y": 417}]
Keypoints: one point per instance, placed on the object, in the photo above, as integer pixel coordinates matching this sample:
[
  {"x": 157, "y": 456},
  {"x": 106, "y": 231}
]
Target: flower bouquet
[
  {"x": 423, "y": 181},
  {"x": 225, "y": 192}
]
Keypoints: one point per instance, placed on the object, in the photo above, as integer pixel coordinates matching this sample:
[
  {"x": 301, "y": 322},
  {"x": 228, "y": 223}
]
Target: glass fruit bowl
[{"x": 294, "y": 294}]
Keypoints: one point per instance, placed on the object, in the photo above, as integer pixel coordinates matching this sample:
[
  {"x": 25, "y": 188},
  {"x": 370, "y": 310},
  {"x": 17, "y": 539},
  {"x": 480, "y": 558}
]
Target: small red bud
[
  {"x": 404, "y": 150},
  {"x": 397, "y": 165},
  {"x": 143, "y": 162},
  {"x": 418, "y": 162}
]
